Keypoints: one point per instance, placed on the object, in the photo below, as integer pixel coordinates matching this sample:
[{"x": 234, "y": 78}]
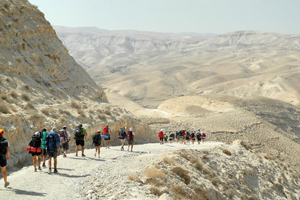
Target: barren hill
[
  {"x": 242, "y": 64},
  {"x": 41, "y": 85}
]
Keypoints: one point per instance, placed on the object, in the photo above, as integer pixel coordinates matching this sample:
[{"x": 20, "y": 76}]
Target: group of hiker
[
  {"x": 181, "y": 136},
  {"x": 48, "y": 145},
  {"x": 45, "y": 145}
]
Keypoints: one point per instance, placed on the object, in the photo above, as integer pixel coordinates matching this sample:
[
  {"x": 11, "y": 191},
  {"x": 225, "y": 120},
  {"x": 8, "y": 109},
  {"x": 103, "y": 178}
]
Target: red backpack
[
  {"x": 105, "y": 130},
  {"x": 129, "y": 135},
  {"x": 203, "y": 135},
  {"x": 160, "y": 134}
]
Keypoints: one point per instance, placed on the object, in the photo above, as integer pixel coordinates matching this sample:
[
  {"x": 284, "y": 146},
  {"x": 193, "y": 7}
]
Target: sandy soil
[{"x": 82, "y": 178}]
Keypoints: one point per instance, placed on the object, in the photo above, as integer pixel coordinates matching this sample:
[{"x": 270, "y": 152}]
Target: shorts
[
  {"x": 161, "y": 139},
  {"x": 97, "y": 144},
  {"x": 36, "y": 153},
  {"x": 80, "y": 142},
  {"x": 130, "y": 142},
  {"x": 122, "y": 140},
  {"x": 52, "y": 154},
  {"x": 2, "y": 161},
  {"x": 170, "y": 138},
  {"x": 45, "y": 152},
  {"x": 108, "y": 137},
  {"x": 65, "y": 146}
]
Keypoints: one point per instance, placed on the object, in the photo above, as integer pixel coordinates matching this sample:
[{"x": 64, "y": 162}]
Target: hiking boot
[
  {"x": 64, "y": 155},
  {"x": 55, "y": 171},
  {"x": 40, "y": 168},
  {"x": 49, "y": 172},
  {"x": 95, "y": 154},
  {"x": 35, "y": 170},
  {"x": 6, "y": 184},
  {"x": 44, "y": 165},
  {"x": 99, "y": 156},
  {"x": 76, "y": 154},
  {"x": 83, "y": 155}
]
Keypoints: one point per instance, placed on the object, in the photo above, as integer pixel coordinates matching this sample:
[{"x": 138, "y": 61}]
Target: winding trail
[{"x": 90, "y": 177}]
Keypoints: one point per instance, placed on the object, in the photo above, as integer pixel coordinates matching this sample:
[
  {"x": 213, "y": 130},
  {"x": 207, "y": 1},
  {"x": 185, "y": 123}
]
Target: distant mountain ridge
[{"x": 166, "y": 65}]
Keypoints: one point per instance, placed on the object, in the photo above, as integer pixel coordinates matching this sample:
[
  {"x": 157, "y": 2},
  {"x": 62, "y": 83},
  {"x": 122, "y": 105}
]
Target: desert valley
[{"x": 240, "y": 88}]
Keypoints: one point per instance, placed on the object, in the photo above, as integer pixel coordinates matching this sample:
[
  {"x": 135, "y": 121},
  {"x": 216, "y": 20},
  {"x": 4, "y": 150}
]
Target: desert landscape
[{"x": 240, "y": 88}]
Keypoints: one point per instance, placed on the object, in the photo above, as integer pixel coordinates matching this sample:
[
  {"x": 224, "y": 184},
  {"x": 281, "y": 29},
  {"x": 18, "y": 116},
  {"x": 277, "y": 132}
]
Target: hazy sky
[{"x": 202, "y": 16}]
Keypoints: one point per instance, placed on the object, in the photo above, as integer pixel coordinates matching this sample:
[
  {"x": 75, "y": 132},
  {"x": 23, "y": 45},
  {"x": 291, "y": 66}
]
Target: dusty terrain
[{"x": 213, "y": 171}]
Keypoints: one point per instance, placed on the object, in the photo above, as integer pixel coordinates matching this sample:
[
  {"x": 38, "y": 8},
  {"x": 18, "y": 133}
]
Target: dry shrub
[
  {"x": 269, "y": 157},
  {"x": 155, "y": 191},
  {"x": 107, "y": 112},
  {"x": 3, "y": 96},
  {"x": 198, "y": 166},
  {"x": 205, "y": 157},
  {"x": 200, "y": 194},
  {"x": 155, "y": 182},
  {"x": 64, "y": 112},
  {"x": 134, "y": 177},
  {"x": 46, "y": 111},
  {"x": 13, "y": 108},
  {"x": 214, "y": 181},
  {"x": 4, "y": 108},
  {"x": 205, "y": 171},
  {"x": 193, "y": 160},
  {"x": 13, "y": 94},
  {"x": 225, "y": 151},
  {"x": 37, "y": 119},
  {"x": 29, "y": 105},
  {"x": 246, "y": 145},
  {"x": 75, "y": 105},
  {"x": 185, "y": 156},
  {"x": 155, "y": 173},
  {"x": 182, "y": 173},
  {"x": 229, "y": 193},
  {"x": 168, "y": 160},
  {"x": 99, "y": 95},
  {"x": 178, "y": 190},
  {"x": 25, "y": 97},
  {"x": 80, "y": 112},
  {"x": 26, "y": 87},
  {"x": 101, "y": 117}
]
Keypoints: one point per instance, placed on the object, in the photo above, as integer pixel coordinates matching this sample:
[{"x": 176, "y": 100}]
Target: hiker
[
  {"x": 64, "y": 137},
  {"x": 80, "y": 135},
  {"x": 198, "y": 135},
  {"x": 4, "y": 156},
  {"x": 192, "y": 137},
  {"x": 166, "y": 137},
  {"x": 35, "y": 150},
  {"x": 161, "y": 136},
  {"x": 130, "y": 138},
  {"x": 97, "y": 142},
  {"x": 106, "y": 132},
  {"x": 122, "y": 136},
  {"x": 171, "y": 136},
  {"x": 53, "y": 148},
  {"x": 187, "y": 137},
  {"x": 43, "y": 147},
  {"x": 203, "y": 136}
]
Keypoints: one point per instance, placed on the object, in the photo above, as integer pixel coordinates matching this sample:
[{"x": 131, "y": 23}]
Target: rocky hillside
[{"x": 41, "y": 85}]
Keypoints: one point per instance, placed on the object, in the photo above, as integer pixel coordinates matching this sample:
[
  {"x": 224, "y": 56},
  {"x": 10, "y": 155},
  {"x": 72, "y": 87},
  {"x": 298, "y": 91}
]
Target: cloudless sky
[{"x": 201, "y": 16}]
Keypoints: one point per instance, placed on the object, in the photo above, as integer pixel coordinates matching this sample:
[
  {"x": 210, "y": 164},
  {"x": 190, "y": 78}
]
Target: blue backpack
[{"x": 52, "y": 142}]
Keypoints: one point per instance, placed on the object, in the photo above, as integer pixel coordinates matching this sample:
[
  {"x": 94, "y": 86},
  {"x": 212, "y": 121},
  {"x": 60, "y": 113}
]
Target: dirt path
[{"x": 90, "y": 177}]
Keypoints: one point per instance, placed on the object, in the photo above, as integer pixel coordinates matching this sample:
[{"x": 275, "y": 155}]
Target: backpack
[
  {"x": 3, "y": 145},
  {"x": 63, "y": 136},
  {"x": 203, "y": 135},
  {"x": 78, "y": 133},
  {"x": 35, "y": 141},
  {"x": 51, "y": 142},
  {"x": 122, "y": 133},
  {"x": 198, "y": 134},
  {"x": 105, "y": 130},
  {"x": 96, "y": 138},
  {"x": 129, "y": 135}
]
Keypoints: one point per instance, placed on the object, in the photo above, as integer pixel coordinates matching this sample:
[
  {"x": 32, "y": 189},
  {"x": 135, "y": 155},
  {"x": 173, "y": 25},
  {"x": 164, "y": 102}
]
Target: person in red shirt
[
  {"x": 106, "y": 131},
  {"x": 161, "y": 136}
]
